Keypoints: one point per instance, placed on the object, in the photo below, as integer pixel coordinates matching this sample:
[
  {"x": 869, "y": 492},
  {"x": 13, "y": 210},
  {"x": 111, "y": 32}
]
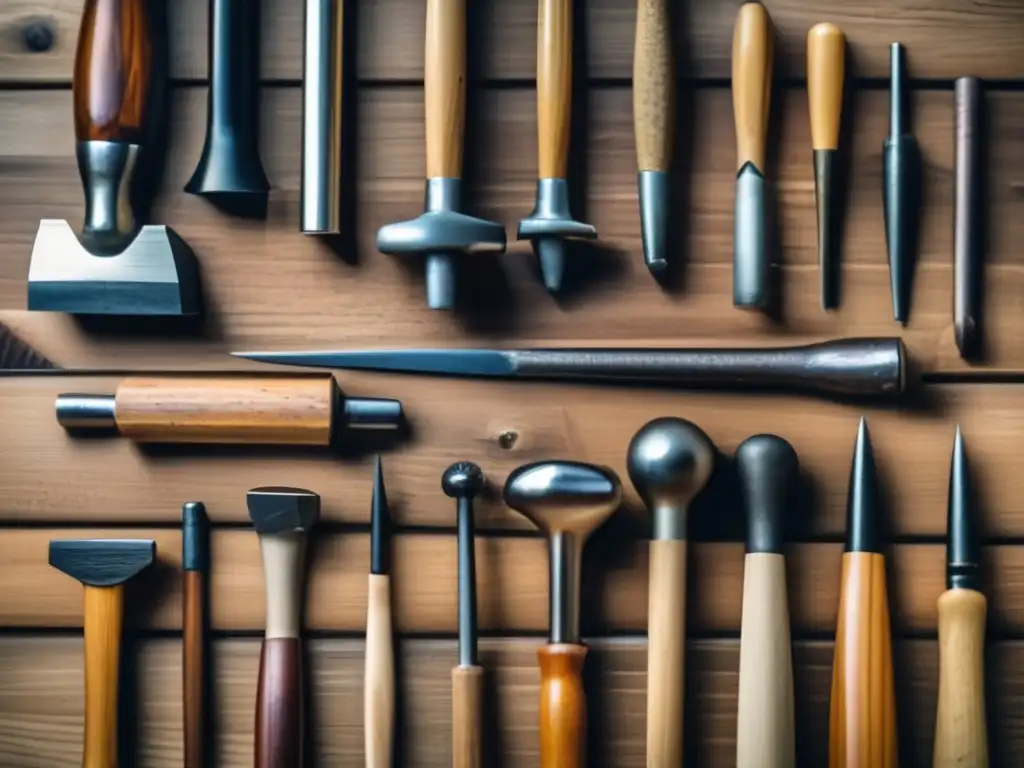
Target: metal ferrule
[
  {"x": 969, "y": 221},
  {"x": 195, "y": 537},
  {"x": 373, "y": 413},
  {"x": 669, "y": 523},
  {"x": 467, "y": 586},
  {"x": 655, "y": 192},
  {"x": 443, "y": 194},
  {"x": 547, "y": 224},
  {"x": 86, "y": 411},
  {"x": 107, "y": 169},
  {"x": 565, "y": 550},
  {"x": 825, "y": 190},
  {"x": 750, "y": 248}
]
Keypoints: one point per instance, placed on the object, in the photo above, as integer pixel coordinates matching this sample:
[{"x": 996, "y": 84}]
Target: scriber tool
[{"x": 379, "y": 672}]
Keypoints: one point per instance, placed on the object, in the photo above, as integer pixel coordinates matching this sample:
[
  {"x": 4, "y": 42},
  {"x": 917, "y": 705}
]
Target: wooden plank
[{"x": 946, "y": 38}]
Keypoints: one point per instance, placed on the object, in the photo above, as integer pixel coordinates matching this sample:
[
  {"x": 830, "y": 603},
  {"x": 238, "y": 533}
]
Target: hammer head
[
  {"x": 445, "y": 231},
  {"x": 102, "y": 562},
  {"x": 275, "y": 509},
  {"x": 564, "y": 496}
]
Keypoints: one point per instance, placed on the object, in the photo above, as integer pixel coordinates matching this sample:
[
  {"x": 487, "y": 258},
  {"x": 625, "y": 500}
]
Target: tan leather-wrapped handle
[
  {"x": 653, "y": 86},
  {"x": 751, "y": 83},
  {"x": 826, "y": 68},
  {"x": 444, "y": 85},
  {"x": 666, "y": 652},
  {"x": 379, "y": 679},
  {"x": 563, "y": 706},
  {"x": 467, "y": 720},
  {"x": 103, "y": 625},
  {"x": 554, "y": 85}
]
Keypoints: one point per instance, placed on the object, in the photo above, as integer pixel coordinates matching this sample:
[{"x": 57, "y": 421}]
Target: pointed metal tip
[
  {"x": 551, "y": 252},
  {"x": 862, "y": 524},
  {"x": 378, "y": 521},
  {"x": 654, "y": 193},
  {"x": 963, "y": 555}
]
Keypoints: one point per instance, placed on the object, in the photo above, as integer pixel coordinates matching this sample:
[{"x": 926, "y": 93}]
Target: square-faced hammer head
[{"x": 102, "y": 562}]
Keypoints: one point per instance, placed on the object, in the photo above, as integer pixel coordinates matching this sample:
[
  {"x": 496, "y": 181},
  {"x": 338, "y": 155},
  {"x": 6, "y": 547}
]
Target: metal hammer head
[
  {"x": 545, "y": 227},
  {"x": 767, "y": 466},
  {"x": 564, "y": 496},
  {"x": 275, "y": 509},
  {"x": 463, "y": 479},
  {"x": 102, "y": 562}
]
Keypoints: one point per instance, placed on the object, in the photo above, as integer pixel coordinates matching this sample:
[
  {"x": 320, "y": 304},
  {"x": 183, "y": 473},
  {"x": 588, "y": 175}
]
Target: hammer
[
  {"x": 114, "y": 266},
  {"x": 442, "y": 232},
  {"x": 282, "y": 518},
  {"x": 103, "y": 566},
  {"x": 567, "y": 501}
]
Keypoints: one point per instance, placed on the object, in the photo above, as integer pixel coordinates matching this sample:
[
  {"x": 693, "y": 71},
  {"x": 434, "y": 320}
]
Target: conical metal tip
[
  {"x": 962, "y": 553},
  {"x": 551, "y": 251},
  {"x": 862, "y": 512},
  {"x": 378, "y": 522},
  {"x": 654, "y": 219}
]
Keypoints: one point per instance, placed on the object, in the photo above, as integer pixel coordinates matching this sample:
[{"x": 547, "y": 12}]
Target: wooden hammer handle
[
  {"x": 103, "y": 625},
  {"x": 563, "y": 706},
  {"x": 279, "y": 705},
  {"x": 554, "y": 85},
  {"x": 826, "y": 65},
  {"x": 445, "y": 87},
  {"x": 193, "y": 652},
  {"x": 467, "y": 717},
  {"x": 751, "y": 83},
  {"x": 666, "y": 653},
  {"x": 653, "y": 86},
  {"x": 379, "y": 680}
]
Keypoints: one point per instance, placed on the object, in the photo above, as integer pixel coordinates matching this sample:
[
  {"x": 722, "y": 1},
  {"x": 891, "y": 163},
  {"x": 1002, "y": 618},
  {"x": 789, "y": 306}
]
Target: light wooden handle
[
  {"x": 751, "y": 83},
  {"x": 280, "y": 718},
  {"x": 379, "y": 680},
  {"x": 467, "y": 719},
  {"x": 826, "y": 67},
  {"x": 103, "y": 625},
  {"x": 666, "y": 653},
  {"x": 554, "y": 85},
  {"x": 653, "y": 86},
  {"x": 192, "y": 670},
  {"x": 765, "y": 734},
  {"x": 961, "y": 734},
  {"x": 283, "y": 569},
  {"x": 563, "y": 706},
  {"x": 444, "y": 86}
]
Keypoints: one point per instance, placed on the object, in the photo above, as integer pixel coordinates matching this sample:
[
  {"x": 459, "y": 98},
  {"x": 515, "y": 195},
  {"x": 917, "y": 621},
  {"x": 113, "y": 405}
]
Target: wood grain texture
[
  {"x": 563, "y": 706},
  {"x": 444, "y": 84},
  {"x": 467, "y": 717},
  {"x": 193, "y": 670},
  {"x": 752, "y": 70},
  {"x": 666, "y": 660},
  {"x": 280, "y": 716},
  {"x": 554, "y": 86},
  {"x": 826, "y": 75},
  {"x": 654, "y": 87},
  {"x": 379, "y": 676},
  {"x": 103, "y": 621}
]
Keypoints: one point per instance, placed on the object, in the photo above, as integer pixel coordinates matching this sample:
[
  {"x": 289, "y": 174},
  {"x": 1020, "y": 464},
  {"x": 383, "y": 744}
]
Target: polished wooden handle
[
  {"x": 554, "y": 85},
  {"x": 279, "y": 705},
  {"x": 862, "y": 720},
  {"x": 666, "y": 653},
  {"x": 444, "y": 84},
  {"x": 113, "y": 71},
  {"x": 563, "y": 706},
  {"x": 193, "y": 654},
  {"x": 653, "y": 86},
  {"x": 379, "y": 680},
  {"x": 826, "y": 67},
  {"x": 103, "y": 626},
  {"x": 207, "y": 409},
  {"x": 283, "y": 556},
  {"x": 467, "y": 717},
  {"x": 765, "y": 733},
  {"x": 961, "y": 734},
  {"x": 751, "y": 83}
]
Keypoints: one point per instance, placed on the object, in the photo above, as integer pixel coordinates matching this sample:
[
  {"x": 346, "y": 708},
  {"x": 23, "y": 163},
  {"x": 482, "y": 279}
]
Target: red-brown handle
[
  {"x": 193, "y": 631},
  {"x": 563, "y": 706},
  {"x": 279, "y": 705}
]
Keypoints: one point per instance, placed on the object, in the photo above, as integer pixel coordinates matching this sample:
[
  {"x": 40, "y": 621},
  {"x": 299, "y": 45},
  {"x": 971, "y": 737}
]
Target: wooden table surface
[{"x": 270, "y": 287}]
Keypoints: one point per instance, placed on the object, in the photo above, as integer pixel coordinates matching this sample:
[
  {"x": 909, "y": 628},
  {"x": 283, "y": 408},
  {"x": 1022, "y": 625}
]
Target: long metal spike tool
[
  {"x": 551, "y": 221},
  {"x": 862, "y": 720},
  {"x": 752, "y": 51},
  {"x": 860, "y": 367},
  {"x": 969, "y": 217},
  {"x": 442, "y": 233},
  {"x": 654, "y": 114},
  {"x": 115, "y": 266},
  {"x": 282, "y": 518},
  {"x": 765, "y": 721},
  {"x": 669, "y": 461},
  {"x": 961, "y": 733},
  {"x": 826, "y": 71},
  {"x": 195, "y": 563},
  {"x": 102, "y": 566},
  {"x": 568, "y": 501},
  {"x": 463, "y": 481},
  {"x": 379, "y": 672}
]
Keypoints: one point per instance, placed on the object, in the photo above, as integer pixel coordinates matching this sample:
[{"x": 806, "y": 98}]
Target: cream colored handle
[
  {"x": 961, "y": 734},
  {"x": 283, "y": 566},
  {"x": 653, "y": 86},
  {"x": 826, "y": 70},
  {"x": 467, "y": 719},
  {"x": 379, "y": 680},
  {"x": 554, "y": 85},
  {"x": 666, "y": 653},
  {"x": 765, "y": 734},
  {"x": 444, "y": 87},
  {"x": 751, "y": 83}
]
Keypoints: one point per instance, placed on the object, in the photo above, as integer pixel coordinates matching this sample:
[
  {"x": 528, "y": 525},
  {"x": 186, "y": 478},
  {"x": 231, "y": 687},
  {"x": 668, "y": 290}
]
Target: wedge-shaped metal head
[
  {"x": 157, "y": 274},
  {"x": 441, "y": 231},
  {"x": 102, "y": 562},
  {"x": 564, "y": 496},
  {"x": 274, "y": 509},
  {"x": 551, "y": 217}
]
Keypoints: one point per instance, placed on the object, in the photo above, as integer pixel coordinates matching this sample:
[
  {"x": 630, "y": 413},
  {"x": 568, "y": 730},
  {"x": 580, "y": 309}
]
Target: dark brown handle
[
  {"x": 279, "y": 715},
  {"x": 113, "y": 71},
  {"x": 192, "y": 669},
  {"x": 563, "y": 706}
]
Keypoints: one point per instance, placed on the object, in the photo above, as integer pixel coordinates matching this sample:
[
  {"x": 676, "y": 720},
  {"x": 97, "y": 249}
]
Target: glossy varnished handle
[
  {"x": 192, "y": 669},
  {"x": 445, "y": 87},
  {"x": 379, "y": 675},
  {"x": 653, "y": 91},
  {"x": 961, "y": 733},
  {"x": 467, "y": 717},
  {"x": 554, "y": 85},
  {"x": 113, "y": 71},
  {"x": 666, "y": 653},
  {"x": 279, "y": 704},
  {"x": 103, "y": 624},
  {"x": 826, "y": 67},
  {"x": 751, "y": 83},
  {"x": 563, "y": 706}
]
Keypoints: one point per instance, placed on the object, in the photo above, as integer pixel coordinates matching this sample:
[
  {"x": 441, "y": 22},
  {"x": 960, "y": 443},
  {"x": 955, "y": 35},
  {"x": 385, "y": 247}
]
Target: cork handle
[
  {"x": 666, "y": 654},
  {"x": 104, "y": 623},
  {"x": 653, "y": 91},
  {"x": 826, "y": 64},
  {"x": 445, "y": 87},
  {"x": 751, "y": 83},
  {"x": 467, "y": 725},
  {"x": 563, "y": 706},
  {"x": 554, "y": 85},
  {"x": 379, "y": 678}
]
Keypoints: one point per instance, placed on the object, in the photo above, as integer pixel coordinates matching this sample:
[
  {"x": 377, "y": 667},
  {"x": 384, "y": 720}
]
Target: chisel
[
  {"x": 195, "y": 564},
  {"x": 379, "y": 672},
  {"x": 969, "y": 215}
]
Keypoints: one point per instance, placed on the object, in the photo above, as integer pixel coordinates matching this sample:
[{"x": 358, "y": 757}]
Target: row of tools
[
  {"x": 669, "y": 461},
  {"x": 117, "y": 266}
]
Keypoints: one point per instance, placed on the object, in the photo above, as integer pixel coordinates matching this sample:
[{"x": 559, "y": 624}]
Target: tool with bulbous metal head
[
  {"x": 379, "y": 672},
  {"x": 765, "y": 731},
  {"x": 195, "y": 565},
  {"x": 669, "y": 461},
  {"x": 442, "y": 233},
  {"x": 969, "y": 214},
  {"x": 567, "y": 501}
]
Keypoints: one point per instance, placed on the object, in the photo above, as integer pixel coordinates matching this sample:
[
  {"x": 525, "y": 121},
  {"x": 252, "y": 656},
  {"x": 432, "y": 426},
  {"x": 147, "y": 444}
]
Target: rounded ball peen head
[
  {"x": 767, "y": 466},
  {"x": 463, "y": 479},
  {"x": 564, "y": 496}
]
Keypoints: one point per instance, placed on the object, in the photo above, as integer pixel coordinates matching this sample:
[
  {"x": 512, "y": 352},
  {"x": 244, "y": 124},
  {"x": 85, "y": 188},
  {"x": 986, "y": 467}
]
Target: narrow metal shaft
[
  {"x": 969, "y": 214},
  {"x": 467, "y": 586},
  {"x": 565, "y": 555}
]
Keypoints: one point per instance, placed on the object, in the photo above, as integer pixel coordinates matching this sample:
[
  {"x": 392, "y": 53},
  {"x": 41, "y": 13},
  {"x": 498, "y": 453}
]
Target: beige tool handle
[
  {"x": 653, "y": 86},
  {"x": 379, "y": 680},
  {"x": 103, "y": 624},
  {"x": 554, "y": 85},
  {"x": 826, "y": 69},
  {"x": 765, "y": 737},
  {"x": 467, "y": 720},
  {"x": 666, "y": 653},
  {"x": 751, "y": 83},
  {"x": 444, "y": 86},
  {"x": 961, "y": 735}
]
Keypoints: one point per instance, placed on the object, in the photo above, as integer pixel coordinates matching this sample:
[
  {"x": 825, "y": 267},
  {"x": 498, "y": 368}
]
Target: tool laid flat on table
[
  {"x": 195, "y": 564},
  {"x": 115, "y": 266},
  {"x": 103, "y": 566},
  {"x": 861, "y": 367},
  {"x": 379, "y": 671},
  {"x": 969, "y": 216},
  {"x": 669, "y": 461}
]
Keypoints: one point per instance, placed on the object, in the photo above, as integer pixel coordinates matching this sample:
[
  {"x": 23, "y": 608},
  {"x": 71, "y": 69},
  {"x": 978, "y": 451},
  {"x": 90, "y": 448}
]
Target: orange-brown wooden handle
[
  {"x": 103, "y": 625},
  {"x": 752, "y": 83},
  {"x": 666, "y": 653},
  {"x": 554, "y": 85},
  {"x": 279, "y": 705},
  {"x": 563, "y": 706},
  {"x": 467, "y": 719},
  {"x": 268, "y": 411},
  {"x": 653, "y": 86},
  {"x": 862, "y": 721},
  {"x": 826, "y": 68},
  {"x": 444, "y": 85},
  {"x": 113, "y": 71},
  {"x": 192, "y": 669}
]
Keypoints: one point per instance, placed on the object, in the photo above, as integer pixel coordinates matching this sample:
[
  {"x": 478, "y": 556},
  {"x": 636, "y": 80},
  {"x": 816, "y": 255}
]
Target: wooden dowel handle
[
  {"x": 653, "y": 86},
  {"x": 193, "y": 662},
  {"x": 444, "y": 84},
  {"x": 554, "y": 85},
  {"x": 103, "y": 626},
  {"x": 751, "y": 83},
  {"x": 765, "y": 720},
  {"x": 666, "y": 654},
  {"x": 826, "y": 67},
  {"x": 279, "y": 705},
  {"x": 961, "y": 733},
  {"x": 467, "y": 717},
  {"x": 563, "y": 706},
  {"x": 379, "y": 680}
]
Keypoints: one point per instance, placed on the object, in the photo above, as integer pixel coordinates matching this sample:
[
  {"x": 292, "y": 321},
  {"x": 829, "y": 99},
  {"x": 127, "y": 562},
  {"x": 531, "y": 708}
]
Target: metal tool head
[
  {"x": 230, "y": 166},
  {"x": 564, "y": 496},
  {"x": 195, "y": 537},
  {"x": 275, "y": 509},
  {"x": 767, "y": 467},
  {"x": 546, "y": 226},
  {"x": 963, "y": 555},
  {"x": 379, "y": 519},
  {"x": 655, "y": 218},
  {"x": 463, "y": 479},
  {"x": 102, "y": 562},
  {"x": 863, "y": 527}
]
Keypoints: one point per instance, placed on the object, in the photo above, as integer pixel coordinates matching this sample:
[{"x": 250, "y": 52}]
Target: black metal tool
[
  {"x": 968, "y": 236},
  {"x": 379, "y": 672},
  {"x": 195, "y": 562}
]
